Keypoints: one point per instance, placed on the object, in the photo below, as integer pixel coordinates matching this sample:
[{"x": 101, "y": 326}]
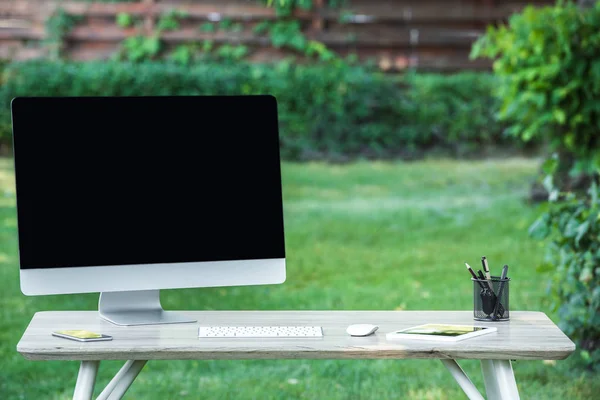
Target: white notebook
[{"x": 441, "y": 332}]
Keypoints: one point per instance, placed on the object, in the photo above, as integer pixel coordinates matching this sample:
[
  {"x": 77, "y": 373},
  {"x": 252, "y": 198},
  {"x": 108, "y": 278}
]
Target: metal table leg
[
  {"x": 462, "y": 379},
  {"x": 86, "y": 379},
  {"x": 500, "y": 383},
  {"x": 117, "y": 387}
]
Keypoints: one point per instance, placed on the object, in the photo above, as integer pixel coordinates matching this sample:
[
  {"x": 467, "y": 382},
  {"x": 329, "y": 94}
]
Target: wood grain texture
[
  {"x": 402, "y": 37},
  {"x": 392, "y": 33},
  {"x": 528, "y": 336}
]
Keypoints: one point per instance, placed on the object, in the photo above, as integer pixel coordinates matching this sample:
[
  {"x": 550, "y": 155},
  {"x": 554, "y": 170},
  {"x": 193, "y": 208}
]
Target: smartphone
[{"x": 82, "y": 336}]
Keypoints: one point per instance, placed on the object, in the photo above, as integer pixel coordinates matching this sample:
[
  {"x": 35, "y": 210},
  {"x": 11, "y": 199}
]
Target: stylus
[{"x": 500, "y": 290}]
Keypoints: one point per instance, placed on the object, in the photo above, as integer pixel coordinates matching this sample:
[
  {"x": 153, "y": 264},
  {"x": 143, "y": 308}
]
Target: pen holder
[{"x": 490, "y": 299}]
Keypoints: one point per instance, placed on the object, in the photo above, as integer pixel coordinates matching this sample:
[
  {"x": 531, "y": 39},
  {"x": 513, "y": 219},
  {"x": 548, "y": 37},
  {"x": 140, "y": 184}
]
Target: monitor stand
[{"x": 141, "y": 307}]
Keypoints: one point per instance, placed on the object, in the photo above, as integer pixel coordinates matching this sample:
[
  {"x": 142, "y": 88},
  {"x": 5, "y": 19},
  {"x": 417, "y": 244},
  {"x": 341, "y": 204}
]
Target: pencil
[{"x": 473, "y": 275}]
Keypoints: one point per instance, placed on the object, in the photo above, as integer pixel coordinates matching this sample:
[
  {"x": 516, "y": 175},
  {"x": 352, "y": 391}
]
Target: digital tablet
[{"x": 440, "y": 332}]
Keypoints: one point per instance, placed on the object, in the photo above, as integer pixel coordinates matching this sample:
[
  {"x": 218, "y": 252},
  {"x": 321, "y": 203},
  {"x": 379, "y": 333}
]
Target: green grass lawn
[{"x": 364, "y": 236}]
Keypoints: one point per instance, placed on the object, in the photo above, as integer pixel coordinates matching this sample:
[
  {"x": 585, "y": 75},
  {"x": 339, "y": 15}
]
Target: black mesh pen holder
[{"x": 490, "y": 299}]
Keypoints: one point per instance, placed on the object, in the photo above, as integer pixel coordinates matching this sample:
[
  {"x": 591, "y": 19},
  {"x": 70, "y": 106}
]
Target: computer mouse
[{"x": 361, "y": 329}]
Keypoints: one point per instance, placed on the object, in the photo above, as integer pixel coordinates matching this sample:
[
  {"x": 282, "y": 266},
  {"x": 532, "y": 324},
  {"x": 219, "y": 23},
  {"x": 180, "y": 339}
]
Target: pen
[
  {"x": 486, "y": 283},
  {"x": 486, "y": 268},
  {"x": 500, "y": 290},
  {"x": 473, "y": 275},
  {"x": 480, "y": 275},
  {"x": 488, "y": 298}
]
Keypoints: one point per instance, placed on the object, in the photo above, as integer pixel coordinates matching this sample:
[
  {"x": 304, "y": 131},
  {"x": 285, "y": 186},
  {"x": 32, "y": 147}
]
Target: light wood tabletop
[{"x": 527, "y": 336}]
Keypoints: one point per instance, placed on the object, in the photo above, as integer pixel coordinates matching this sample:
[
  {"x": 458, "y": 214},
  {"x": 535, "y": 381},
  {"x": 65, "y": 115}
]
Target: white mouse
[{"x": 361, "y": 329}]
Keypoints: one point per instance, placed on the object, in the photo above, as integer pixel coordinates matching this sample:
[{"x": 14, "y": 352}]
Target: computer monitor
[{"x": 129, "y": 195}]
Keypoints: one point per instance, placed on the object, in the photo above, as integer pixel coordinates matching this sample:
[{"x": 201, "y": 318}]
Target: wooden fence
[{"x": 397, "y": 34}]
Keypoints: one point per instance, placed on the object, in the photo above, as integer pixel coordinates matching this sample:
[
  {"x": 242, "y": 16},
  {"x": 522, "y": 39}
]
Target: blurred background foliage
[
  {"x": 335, "y": 111},
  {"x": 331, "y": 107},
  {"x": 547, "y": 62}
]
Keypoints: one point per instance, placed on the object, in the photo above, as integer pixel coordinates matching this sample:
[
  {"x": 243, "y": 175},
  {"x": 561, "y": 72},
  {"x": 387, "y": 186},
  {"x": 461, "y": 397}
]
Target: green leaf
[
  {"x": 581, "y": 231},
  {"x": 208, "y": 27},
  {"x": 571, "y": 228},
  {"x": 569, "y": 140},
  {"x": 239, "y": 52},
  {"x": 586, "y": 275},
  {"x": 207, "y": 46},
  {"x": 540, "y": 229},
  {"x": 548, "y": 183},
  {"x": 181, "y": 55},
  {"x": 594, "y": 195},
  {"x": 167, "y": 24},
  {"x": 152, "y": 45},
  {"x": 225, "y": 24},
  {"x": 550, "y": 165},
  {"x": 124, "y": 20},
  {"x": 596, "y": 162},
  {"x": 261, "y": 27},
  {"x": 305, "y": 4},
  {"x": 585, "y": 355},
  {"x": 560, "y": 116}
]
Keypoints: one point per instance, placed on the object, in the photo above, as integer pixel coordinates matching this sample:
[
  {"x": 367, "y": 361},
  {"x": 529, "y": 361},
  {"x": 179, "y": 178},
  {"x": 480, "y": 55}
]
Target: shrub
[
  {"x": 549, "y": 86},
  {"x": 456, "y": 109},
  {"x": 325, "y": 111},
  {"x": 574, "y": 254},
  {"x": 549, "y": 69}
]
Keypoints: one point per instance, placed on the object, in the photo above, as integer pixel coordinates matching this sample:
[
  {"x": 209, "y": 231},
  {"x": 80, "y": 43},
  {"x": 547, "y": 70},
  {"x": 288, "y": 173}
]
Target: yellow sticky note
[{"x": 81, "y": 334}]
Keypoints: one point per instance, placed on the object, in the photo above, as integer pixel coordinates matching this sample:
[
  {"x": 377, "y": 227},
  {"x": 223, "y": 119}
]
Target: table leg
[
  {"x": 86, "y": 380},
  {"x": 117, "y": 387},
  {"x": 500, "y": 383},
  {"x": 462, "y": 379}
]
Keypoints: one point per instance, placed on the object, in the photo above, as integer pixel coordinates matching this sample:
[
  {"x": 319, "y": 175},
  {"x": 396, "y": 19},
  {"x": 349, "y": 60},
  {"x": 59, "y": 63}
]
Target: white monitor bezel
[{"x": 117, "y": 278}]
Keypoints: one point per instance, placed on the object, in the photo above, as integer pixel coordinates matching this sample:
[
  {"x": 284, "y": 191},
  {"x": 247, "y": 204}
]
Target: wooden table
[{"x": 527, "y": 336}]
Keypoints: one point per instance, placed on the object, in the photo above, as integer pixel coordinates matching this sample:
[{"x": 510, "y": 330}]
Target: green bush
[
  {"x": 574, "y": 254},
  {"x": 549, "y": 86},
  {"x": 325, "y": 111},
  {"x": 458, "y": 110},
  {"x": 549, "y": 69}
]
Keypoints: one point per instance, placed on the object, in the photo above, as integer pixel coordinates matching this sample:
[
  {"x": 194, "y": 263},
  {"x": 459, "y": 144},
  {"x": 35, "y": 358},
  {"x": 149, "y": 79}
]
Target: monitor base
[{"x": 141, "y": 307}]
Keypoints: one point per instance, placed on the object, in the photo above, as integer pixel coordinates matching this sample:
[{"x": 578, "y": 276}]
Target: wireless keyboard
[{"x": 259, "y": 331}]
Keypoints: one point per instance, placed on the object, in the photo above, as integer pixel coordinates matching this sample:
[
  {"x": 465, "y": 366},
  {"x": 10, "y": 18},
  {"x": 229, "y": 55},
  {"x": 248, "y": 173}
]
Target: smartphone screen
[{"x": 81, "y": 335}]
